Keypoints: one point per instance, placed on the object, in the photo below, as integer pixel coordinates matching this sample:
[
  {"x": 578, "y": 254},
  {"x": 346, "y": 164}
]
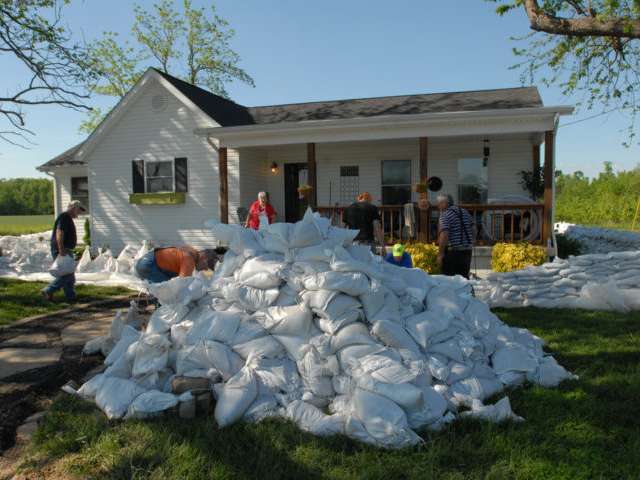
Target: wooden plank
[
  {"x": 424, "y": 176},
  {"x": 312, "y": 174},
  {"x": 549, "y": 147},
  {"x": 223, "y": 194},
  {"x": 535, "y": 158}
]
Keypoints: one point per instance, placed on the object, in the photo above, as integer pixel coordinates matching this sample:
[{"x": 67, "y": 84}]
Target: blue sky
[{"x": 299, "y": 50}]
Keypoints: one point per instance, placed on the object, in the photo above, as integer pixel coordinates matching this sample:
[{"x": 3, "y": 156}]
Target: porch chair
[{"x": 242, "y": 213}]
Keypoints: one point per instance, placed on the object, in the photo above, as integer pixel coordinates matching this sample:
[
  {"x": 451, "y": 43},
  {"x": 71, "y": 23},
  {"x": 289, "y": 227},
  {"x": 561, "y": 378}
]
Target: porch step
[{"x": 481, "y": 259}]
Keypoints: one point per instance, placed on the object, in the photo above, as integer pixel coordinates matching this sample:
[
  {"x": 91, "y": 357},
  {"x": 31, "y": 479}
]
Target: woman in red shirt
[{"x": 260, "y": 208}]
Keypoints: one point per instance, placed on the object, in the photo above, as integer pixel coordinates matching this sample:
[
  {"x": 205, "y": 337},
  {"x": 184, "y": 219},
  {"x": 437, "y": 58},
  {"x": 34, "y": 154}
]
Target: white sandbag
[
  {"x": 406, "y": 395},
  {"x": 513, "y": 358},
  {"x": 472, "y": 388},
  {"x": 351, "y": 283},
  {"x": 316, "y": 372},
  {"x": 332, "y": 325},
  {"x": 222, "y": 232},
  {"x": 432, "y": 408},
  {"x": 595, "y": 296},
  {"x": 385, "y": 422},
  {"x": 354, "y": 334},
  {"x": 382, "y": 368},
  {"x": 231, "y": 262},
  {"x": 318, "y": 299},
  {"x": 90, "y": 388},
  {"x": 498, "y": 412},
  {"x": 291, "y": 326},
  {"x": 150, "y": 404},
  {"x": 312, "y": 420},
  {"x": 128, "y": 336},
  {"x": 305, "y": 232},
  {"x": 172, "y": 292},
  {"x": 253, "y": 299},
  {"x": 549, "y": 373},
  {"x": 209, "y": 355},
  {"x": 152, "y": 354},
  {"x": 93, "y": 346},
  {"x": 277, "y": 375},
  {"x": 338, "y": 306},
  {"x": 84, "y": 261},
  {"x": 115, "y": 395},
  {"x": 372, "y": 300},
  {"x": 213, "y": 325},
  {"x": 261, "y": 272},
  {"x": 165, "y": 317},
  {"x": 395, "y": 335},
  {"x": 276, "y": 237},
  {"x": 425, "y": 325},
  {"x": 62, "y": 265},
  {"x": 450, "y": 349},
  {"x": 235, "y": 396},
  {"x": 317, "y": 253}
]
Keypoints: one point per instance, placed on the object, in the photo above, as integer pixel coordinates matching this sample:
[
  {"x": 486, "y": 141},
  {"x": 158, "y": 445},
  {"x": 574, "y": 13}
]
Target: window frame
[
  {"x": 84, "y": 199},
  {"x": 348, "y": 201},
  {"x": 409, "y": 185},
  {"x": 173, "y": 175},
  {"x": 476, "y": 185}
]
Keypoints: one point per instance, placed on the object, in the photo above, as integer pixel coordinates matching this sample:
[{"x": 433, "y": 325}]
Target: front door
[{"x": 295, "y": 174}]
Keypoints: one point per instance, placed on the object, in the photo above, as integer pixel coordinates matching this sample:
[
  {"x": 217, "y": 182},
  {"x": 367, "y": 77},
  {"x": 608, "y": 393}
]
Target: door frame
[{"x": 291, "y": 200}]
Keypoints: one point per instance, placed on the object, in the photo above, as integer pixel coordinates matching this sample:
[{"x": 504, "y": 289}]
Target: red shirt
[{"x": 255, "y": 211}]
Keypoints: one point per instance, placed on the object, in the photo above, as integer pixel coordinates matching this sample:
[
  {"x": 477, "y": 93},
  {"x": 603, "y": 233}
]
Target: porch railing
[{"x": 494, "y": 222}]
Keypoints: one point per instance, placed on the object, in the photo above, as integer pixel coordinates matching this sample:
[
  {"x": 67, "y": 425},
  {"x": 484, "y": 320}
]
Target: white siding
[
  {"x": 508, "y": 157},
  {"x": 254, "y": 175},
  {"x": 144, "y": 134}
]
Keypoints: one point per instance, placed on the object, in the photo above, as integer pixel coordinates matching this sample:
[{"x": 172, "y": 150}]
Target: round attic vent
[{"x": 159, "y": 102}]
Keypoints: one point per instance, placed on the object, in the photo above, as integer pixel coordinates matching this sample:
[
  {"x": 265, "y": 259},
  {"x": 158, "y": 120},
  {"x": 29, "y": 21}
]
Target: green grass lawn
[
  {"x": 22, "y": 224},
  {"x": 588, "y": 428},
  {"x": 21, "y": 299}
]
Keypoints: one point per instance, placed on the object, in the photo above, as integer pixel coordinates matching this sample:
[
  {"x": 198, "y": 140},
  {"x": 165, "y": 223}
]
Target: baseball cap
[
  {"x": 397, "y": 250},
  {"x": 77, "y": 204}
]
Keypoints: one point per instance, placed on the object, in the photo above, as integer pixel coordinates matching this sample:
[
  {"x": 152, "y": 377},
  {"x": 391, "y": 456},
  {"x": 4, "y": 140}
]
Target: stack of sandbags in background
[
  {"x": 25, "y": 254},
  {"x": 600, "y": 240},
  {"x": 600, "y": 281},
  {"x": 298, "y": 322}
]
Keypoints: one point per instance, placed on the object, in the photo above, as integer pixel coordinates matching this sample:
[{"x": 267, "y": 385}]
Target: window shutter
[
  {"x": 137, "y": 179},
  {"x": 181, "y": 175}
]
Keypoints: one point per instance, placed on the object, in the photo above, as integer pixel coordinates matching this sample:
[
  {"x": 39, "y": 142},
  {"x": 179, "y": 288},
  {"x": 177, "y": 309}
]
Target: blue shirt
[{"x": 405, "y": 261}]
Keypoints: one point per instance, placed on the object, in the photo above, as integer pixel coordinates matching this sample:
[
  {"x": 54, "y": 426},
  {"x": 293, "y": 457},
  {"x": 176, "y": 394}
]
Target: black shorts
[{"x": 457, "y": 262}]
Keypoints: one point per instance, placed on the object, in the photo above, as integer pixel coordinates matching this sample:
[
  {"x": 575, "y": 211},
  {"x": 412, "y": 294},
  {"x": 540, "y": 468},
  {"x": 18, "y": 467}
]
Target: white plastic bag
[
  {"x": 115, "y": 395},
  {"x": 151, "y": 403},
  {"x": 62, "y": 265},
  {"x": 235, "y": 396}
]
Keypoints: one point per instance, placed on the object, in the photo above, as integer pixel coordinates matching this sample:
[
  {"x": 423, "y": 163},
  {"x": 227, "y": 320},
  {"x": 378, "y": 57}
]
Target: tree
[
  {"x": 56, "y": 70},
  {"x": 191, "y": 44},
  {"x": 587, "y": 47}
]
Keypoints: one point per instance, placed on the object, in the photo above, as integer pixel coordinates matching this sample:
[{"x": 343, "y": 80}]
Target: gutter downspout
[
  {"x": 55, "y": 193},
  {"x": 554, "y": 243}
]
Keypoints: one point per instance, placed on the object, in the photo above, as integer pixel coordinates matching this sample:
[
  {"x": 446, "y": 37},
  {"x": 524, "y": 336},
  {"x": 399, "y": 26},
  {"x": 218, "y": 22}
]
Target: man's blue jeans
[
  {"x": 147, "y": 269},
  {"x": 66, "y": 283}
]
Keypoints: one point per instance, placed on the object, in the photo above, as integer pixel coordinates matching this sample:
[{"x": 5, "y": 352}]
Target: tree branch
[{"x": 586, "y": 26}]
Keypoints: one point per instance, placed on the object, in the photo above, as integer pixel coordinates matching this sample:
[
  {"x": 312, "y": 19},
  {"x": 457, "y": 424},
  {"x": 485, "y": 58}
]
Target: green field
[
  {"x": 585, "y": 429},
  {"x": 22, "y": 224}
]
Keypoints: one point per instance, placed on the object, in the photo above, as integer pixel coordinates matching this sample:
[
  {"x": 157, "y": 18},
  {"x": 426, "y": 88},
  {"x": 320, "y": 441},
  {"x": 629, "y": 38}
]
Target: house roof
[
  {"x": 66, "y": 158},
  {"x": 230, "y": 114}
]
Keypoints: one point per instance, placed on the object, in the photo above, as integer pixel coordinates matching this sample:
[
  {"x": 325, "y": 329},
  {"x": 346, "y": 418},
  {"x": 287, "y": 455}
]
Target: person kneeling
[
  {"x": 399, "y": 257},
  {"x": 162, "y": 264}
]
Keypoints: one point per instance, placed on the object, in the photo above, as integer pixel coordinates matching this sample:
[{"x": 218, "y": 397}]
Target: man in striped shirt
[{"x": 455, "y": 238}]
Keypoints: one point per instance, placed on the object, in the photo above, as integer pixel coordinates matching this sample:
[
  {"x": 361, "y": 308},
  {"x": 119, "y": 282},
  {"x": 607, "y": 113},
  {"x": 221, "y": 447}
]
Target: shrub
[
  {"x": 86, "y": 239},
  {"x": 424, "y": 256},
  {"x": 507, "y": 257},
  {"x": 568, "y": 246}
]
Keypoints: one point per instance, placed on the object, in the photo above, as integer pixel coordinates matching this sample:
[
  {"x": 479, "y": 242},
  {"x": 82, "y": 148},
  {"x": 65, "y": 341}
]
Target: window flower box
[{"x": 165, "y": 198}]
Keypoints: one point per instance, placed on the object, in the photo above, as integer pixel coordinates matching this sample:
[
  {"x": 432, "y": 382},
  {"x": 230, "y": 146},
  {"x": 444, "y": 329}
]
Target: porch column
[
  {"x": 423, "y": 234},
  {"x": 312, "y": 175},
  {"x": 536, "y": 159},
  {"x": 549, "y": 148},
  {"x": 223, "y": 179}
]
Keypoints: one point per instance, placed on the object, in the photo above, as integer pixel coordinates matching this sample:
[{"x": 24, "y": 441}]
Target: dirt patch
[{"x": 28, "y": 392}]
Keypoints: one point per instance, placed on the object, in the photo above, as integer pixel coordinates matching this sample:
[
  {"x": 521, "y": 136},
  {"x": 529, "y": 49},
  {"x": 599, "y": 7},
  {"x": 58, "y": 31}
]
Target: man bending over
[{"x": 162, "y": 264}]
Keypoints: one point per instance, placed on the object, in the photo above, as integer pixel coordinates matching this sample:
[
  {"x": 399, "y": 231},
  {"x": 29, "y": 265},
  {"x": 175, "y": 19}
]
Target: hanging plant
[
  {"x": 421, "y": 188},
  {"x": 304, "y": 190}
]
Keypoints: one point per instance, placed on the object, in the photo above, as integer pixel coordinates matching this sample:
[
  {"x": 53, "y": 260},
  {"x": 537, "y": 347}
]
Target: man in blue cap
[{"x": 399, "y": 257}]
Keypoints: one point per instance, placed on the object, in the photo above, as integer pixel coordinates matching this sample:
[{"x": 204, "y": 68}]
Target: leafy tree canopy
[
  {"x": 589, "y": 48},
  {"x": 193, "y": 44}
]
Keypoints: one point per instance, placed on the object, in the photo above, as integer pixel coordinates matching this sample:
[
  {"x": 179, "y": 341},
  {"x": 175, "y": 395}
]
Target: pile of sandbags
[
  {"x": 298, "y": 322},
  {"x": 28, "y": 257},
  {"x": 608, "y": 281},
  {"x": 600, "y": 240}
]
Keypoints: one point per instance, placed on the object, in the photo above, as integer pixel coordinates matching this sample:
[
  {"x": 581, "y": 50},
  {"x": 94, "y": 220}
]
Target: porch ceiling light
[
  {"x": 486, "y": 151},
  {"x": 274, "y": 167}
]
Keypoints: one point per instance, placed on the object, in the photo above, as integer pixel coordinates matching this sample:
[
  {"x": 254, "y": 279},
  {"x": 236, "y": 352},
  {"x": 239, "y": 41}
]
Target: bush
[
  {"x": 568, "y": 246},
  {"x": 507, "y": 257},
  {"x": 424, "y": 256},
  {"x": 86, "y": 239}
]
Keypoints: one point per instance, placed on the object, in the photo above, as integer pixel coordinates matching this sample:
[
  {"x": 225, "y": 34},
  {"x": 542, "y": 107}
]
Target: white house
[{"x": 171, "y": 155}]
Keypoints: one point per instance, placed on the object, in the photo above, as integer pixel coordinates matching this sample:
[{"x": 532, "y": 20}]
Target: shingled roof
[
  {"x": 66, "y": 158},
  {"x": 230, "y": 114}
]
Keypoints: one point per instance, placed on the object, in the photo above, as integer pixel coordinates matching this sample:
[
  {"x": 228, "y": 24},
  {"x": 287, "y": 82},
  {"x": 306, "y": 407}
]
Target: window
[
  {"x": 396, "y": 182},
  {"x": 80, "y": 190},
  {"x": 349, "y": 184},
  {"x": 159, "y": 176},
  {"x": 473, "y": 180}
]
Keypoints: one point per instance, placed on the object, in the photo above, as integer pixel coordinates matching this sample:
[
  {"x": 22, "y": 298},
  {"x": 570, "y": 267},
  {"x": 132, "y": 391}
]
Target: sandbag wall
[
  {"x": 595, "y": 282},
  {"x": 298, "y": 322},
  {"x": 600, "y": 240}
]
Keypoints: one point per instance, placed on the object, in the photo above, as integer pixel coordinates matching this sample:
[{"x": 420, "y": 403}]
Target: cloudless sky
[{"x": 303, "y": 50}]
